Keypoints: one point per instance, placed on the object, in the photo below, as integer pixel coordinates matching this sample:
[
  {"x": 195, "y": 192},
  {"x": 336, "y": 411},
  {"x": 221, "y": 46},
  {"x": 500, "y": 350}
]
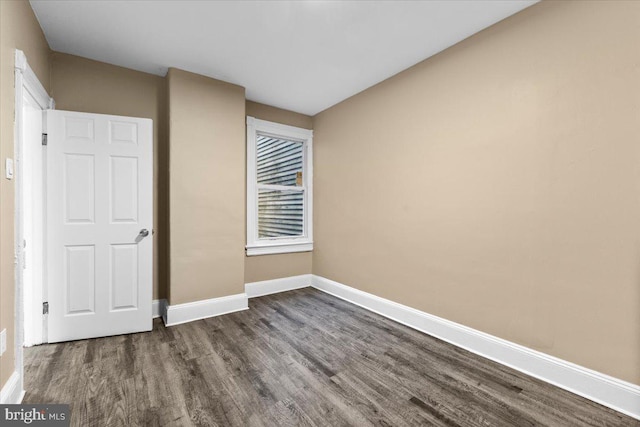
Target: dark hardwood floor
[{"x": 295, "y": 358}]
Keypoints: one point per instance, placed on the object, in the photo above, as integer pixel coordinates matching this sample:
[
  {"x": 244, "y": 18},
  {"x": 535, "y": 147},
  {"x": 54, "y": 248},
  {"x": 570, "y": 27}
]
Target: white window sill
[{"x": 279, "y": 248}]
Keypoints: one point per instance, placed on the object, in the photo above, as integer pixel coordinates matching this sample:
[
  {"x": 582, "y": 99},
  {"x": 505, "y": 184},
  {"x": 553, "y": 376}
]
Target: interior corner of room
[{"x": 486, "y": 196}]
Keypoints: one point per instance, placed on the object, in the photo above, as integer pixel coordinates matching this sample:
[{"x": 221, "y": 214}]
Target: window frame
[{"x": 278, "y": 245}]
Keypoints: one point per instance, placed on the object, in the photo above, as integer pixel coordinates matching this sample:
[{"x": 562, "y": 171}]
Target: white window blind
[{"x": 279, "y": 162}]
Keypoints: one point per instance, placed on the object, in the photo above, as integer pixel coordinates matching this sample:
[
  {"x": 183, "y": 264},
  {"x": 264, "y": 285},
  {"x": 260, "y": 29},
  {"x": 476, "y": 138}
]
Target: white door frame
[{"x": 25, "y": 81}]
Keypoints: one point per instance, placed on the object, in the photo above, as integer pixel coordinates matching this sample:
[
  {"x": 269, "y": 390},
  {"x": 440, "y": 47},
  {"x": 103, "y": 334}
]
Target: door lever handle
[{"x": 144, "y": 232}]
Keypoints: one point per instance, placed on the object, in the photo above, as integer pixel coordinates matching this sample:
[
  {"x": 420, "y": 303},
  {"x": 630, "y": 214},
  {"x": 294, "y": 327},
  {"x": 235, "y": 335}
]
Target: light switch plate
[
  {"x": 3, "y": 341},
  {"x": 8, "y": 168}
]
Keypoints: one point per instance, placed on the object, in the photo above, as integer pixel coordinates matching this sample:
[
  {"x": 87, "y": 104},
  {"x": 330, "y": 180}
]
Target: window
[{"x": 279, "y": 188}]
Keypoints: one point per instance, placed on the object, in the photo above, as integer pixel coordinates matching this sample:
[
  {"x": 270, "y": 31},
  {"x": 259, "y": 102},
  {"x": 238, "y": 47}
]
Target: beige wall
[
  {"x": 268, "y": 267},
  {"x": 79, "y": 84},
  {"x": 207, "y": 154},
  {"x": 497, "y": 184},
  {"x": 18, "y": 29},
  {"x": 278, "y": 115}
]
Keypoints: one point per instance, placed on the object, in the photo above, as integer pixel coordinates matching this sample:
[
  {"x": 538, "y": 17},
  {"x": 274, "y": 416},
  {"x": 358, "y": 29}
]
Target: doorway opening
[{"x": 31, "y": 100}]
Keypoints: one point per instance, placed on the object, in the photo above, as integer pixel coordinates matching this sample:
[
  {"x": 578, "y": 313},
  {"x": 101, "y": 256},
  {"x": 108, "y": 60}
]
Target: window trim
[{"x": 278, "y": 245}]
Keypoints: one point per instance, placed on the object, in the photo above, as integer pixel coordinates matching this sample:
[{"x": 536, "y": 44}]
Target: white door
[{"x": 99, "y": 219}]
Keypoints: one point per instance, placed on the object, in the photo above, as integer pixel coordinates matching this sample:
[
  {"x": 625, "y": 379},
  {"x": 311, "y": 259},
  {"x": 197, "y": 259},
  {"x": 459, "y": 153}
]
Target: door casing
[{"x": 26, "y": 81}]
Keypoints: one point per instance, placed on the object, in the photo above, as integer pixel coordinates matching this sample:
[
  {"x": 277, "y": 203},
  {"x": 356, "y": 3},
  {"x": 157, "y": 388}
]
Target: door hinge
[
  {"x": 45, "y": 308},
  {"x": 44, "y": 139}
]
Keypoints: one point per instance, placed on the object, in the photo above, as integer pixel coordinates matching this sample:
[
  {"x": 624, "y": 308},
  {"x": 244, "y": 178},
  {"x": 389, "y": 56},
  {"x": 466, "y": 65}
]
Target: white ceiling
[{"x": 303, "y": 56}]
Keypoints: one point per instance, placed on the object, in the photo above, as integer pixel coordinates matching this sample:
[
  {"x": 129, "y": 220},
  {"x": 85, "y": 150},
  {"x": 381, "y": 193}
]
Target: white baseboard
[
  {"x": 158, "y": 306},
  {"x": 267, "y": 287},
  {"x": 608, "y": 391},
  {"x": 11, "y": 392},
  {"x": 182, "y": 313}
]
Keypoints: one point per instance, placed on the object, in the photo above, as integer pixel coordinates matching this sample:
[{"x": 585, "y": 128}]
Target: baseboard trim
[
  {"x": 158, "y": 306},
  {"x": 188, "y": 312},
  {"x": 11, "y": 393},
  {"x": 268, "y": 287},
  {"x": 603, "y": 389}
]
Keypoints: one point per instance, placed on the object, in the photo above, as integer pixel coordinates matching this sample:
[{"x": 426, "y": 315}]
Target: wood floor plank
[{"x": 300, "y": 358}]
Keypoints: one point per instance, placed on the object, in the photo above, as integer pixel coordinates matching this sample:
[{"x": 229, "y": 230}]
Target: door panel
[
  {"x": 79, "y": 188},
  {"x": 99, "y": 198},
  {"x": 123, "y": 132},
  {"x": 124, "y": 277},
  {"x": 80, "y": 279},
  {"x": 78, "y": 129},
  {"x": 124, "y": 189}
]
